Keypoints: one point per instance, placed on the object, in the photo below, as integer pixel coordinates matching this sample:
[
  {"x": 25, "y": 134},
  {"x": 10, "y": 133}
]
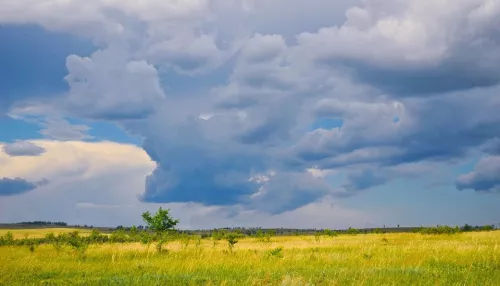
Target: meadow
[
  {"x": 466, "y": 258},
  {"x": 40, "y": 232}
]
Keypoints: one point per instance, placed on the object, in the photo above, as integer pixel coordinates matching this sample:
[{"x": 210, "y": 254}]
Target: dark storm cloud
[
  {"x": 18, "y": 186},
  {"x": 23, "y": 148}
]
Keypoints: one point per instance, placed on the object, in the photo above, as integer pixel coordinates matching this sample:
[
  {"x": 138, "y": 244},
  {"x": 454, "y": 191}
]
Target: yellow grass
[
  {"x": 374, "y": 259},
  {"x": 40, "y": 232}
]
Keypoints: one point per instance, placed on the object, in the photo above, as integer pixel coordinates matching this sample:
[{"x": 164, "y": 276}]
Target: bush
[
  {"x": 467, "y": 228},
  {"x": 487, "y": 228},
  {"x": 119, "y": 236},
  {"x": 439, "y": 230},
  {"x": 96, "y": 237},
  {"x": 145, "y": 238},
  {"x": 217, "y": 236},
  {"x": 264, "y": 237},
  {"x": 277, "y": 252},
  {"x": 232, "y": 239},
  {"x": 78, "y": 244},
  {"x": 329, "y": 232},
  {"x": 185, "y": 239},
  {"x": 352, "y": 231},
  {"x": 7, "y": 239}
]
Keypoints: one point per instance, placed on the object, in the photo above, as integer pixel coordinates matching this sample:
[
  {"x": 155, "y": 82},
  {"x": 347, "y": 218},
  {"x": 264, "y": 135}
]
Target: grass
[
  {"x": 372, "y": 259},
  {"x": 41, "y": 232}
]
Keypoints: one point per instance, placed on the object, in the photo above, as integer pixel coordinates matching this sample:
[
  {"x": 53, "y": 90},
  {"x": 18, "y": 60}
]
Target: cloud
[
  {"x": 282, "y": 192},
  {"x": 492, "y": 146},
  {"x": 363, "y": 180},
  {"x": 99, "y": 173},
  {"x": 18, "y": 186},
  {"x": 52, "y": 121},
  {"x": 424, "y": 131},
  {"x": 98, "y": 183},
  {"x": 61, "y": 129},
  {"x": 246, "y": 93},
  {"x": 43, "y": 55},
  {"x": 66, "y": 160},
  {"x": 108, "y": 86},
  {"x": 23, "y": 148},
  {"x": 484, "y": 178},
  {"x": 263, "y": 48},
  {"x": 423, "y": 46}
]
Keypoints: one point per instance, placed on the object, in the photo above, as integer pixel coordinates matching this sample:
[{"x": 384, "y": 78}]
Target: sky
[{"x": 254, "y": 113}]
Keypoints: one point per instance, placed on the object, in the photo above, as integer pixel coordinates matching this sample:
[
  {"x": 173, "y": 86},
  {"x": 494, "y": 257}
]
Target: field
[
  {"x": 40, "y": 232},
  {"x": 368, "y": 259}
]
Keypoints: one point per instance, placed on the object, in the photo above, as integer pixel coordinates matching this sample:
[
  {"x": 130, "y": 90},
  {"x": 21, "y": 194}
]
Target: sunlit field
[
  {"x": 364, "y": 259},
  {"x": 40, "y": 232}
]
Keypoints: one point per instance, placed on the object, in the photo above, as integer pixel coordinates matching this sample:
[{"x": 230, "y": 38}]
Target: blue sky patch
[{"x": 327, "y": 123}]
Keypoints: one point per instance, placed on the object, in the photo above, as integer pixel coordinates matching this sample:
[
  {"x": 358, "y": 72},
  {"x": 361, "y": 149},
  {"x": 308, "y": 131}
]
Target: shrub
[
  {"x": 329, "y": 232},
  {"x": 185, "y": 238},
  {"x": 217, "y": 236},
  {"x": 78, "y": 244},
  {"x": 50, "y": 237},
  {"x": 96, "y": 237},
  {"x": 467, "y": 227},
  {"x": 264, "y": 237},
  {"x": 277, "y": 252},
  {"x": 439, "y": 230},
  {"x": 317, "y": 236},
  {"x": 31, "y": 246},
  {"x": 118, "y": 236},
  {"x": 487, "y": 228},
  {"x": 133, "y": 232},
  {"x": 232, "y": 239},
  {"x": 8, "y": 238},
  {"x": 352, "y": 231}
]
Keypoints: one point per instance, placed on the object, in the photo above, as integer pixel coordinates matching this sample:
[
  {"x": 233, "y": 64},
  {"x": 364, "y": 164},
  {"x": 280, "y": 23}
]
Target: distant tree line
[
  {"x": 452, "y": 230},
  {"x": 39, "y": 222}
]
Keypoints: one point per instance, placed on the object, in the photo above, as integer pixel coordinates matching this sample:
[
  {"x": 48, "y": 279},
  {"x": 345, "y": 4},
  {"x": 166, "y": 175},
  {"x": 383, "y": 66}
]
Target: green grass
[{"x": 374, "y": 259}]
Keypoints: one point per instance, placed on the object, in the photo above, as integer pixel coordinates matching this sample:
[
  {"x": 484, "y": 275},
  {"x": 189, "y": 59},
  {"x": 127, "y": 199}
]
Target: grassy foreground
[{"x": 371, "y": 259}]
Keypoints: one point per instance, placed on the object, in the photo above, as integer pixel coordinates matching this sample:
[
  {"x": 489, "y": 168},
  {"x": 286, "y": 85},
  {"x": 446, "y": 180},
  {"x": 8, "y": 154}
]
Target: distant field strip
[{"x": 41, "y": 232}]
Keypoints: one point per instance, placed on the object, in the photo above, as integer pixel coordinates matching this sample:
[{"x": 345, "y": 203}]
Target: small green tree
[{"x": 161, "y": 223}]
